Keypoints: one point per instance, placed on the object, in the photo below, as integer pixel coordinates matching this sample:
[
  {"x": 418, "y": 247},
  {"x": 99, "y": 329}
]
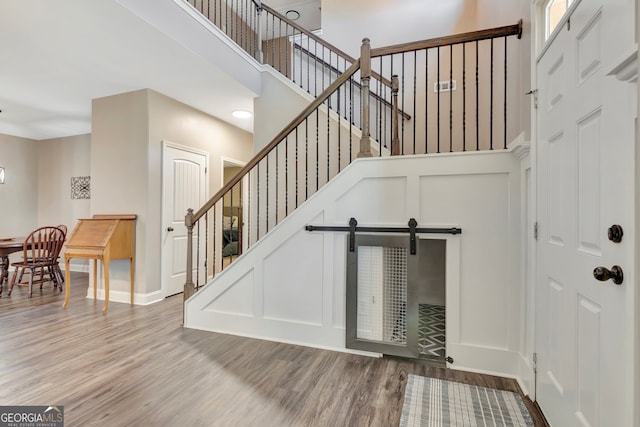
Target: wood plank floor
[{"x": 138, "y": 366}]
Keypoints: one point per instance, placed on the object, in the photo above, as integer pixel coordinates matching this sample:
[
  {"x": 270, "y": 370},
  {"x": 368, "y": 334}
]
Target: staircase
[
  {"x": 419, "y": 130},
  {"x": 448, "y": 94}
]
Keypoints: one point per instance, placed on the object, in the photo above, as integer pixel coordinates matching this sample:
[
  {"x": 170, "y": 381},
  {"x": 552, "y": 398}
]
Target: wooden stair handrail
[
  {"x": 348, "y": 73},
  {"x": 508, "y": 30},
  {"x": 323, "y": 42}
]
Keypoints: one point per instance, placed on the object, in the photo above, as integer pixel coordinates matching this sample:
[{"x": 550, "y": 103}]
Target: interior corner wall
[
  {"x": 346, "y": 23},
  {"x": 119, "y": 183},
  {"x": 60, "y": 159},
  {"x": 19, "y": 193},
  {"x": 173, "y": 121},
  {"x": 126, "y": 171},
  {"x": 278, "y": 104},
  {"x": 495, "y": 13}
]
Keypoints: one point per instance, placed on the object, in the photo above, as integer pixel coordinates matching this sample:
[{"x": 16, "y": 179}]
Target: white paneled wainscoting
[{"x": 290, "y": 286}]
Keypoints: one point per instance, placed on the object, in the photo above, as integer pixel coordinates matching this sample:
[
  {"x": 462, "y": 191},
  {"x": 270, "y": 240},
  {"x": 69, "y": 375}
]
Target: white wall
[
  {"x": 126, "y": 168},
  {"x": 526, "y": 307},
  {"x": 119, "y": 182},
  {"x": 290, "y": 286},
  {"x": 170, "y": 120},
  {"x": 493, "y": 13},
  {"x": 278, "y": 104},
  {"x": 189, "y": 28},
  {"x": 385, "y": 23},
  {"x": 19, "y": 193},
  {"x": 37, "y": 191},
  {"x": 59, "y": 159},
  {"x": 346, "y": 23}
]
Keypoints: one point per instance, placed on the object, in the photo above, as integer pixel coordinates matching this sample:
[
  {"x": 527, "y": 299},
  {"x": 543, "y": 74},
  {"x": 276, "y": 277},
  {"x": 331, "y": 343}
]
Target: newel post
[
  {"x": 189, "y": 287},
  {"x": 365, "y": 77},
  {"x": 395, "y": 143}
]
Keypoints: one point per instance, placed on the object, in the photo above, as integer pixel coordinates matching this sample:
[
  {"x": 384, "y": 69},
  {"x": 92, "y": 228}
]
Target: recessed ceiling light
[
  {"x": 292, "y": 14},
  {"x": 241, "y": 114}
]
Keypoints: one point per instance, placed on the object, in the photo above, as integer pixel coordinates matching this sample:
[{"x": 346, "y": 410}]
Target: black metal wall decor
[{"x": 80, "y": 187}]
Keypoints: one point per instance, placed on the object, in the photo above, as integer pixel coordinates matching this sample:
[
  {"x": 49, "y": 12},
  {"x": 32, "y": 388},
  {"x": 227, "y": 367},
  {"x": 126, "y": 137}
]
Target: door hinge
[
  {"x": 535, "y": 230},
  {"x": 535, "y": 363},
  {"x": 534, "y": 92},
  {"x": 206, "y": 170}
]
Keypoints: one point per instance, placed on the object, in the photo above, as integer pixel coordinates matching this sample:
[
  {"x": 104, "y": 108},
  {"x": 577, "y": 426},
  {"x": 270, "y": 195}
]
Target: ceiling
[
  {"x": 60, "y": 55},
  {"x": 309, "y": 11}
]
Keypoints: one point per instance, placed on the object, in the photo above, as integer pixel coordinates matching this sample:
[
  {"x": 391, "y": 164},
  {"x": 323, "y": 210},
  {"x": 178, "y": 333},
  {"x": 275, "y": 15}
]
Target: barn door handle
[
  {"x": 169, "y": 228},
  {"x": 603, "y": 274}
]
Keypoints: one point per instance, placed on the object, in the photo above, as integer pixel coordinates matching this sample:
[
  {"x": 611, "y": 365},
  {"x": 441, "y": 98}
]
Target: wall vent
[{"x": 444, "y": 86}]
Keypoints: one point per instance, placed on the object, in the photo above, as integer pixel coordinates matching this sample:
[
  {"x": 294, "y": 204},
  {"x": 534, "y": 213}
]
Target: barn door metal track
[{"x": 412, "y": 230}]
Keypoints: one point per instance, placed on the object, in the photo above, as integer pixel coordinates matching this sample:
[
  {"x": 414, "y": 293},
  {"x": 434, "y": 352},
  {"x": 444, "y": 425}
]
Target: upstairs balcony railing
[
  {"x": 297, "y": 53},
  {"x": 337, "y": 127},
  {"x": 455, "y": 89}
]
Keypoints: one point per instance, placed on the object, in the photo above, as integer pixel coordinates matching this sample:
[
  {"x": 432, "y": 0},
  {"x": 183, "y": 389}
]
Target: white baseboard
[
  {"x": 285, "y": 341},
  {"x": 125, "y": 298},
  {"x": 484, "y": 360},
  {"x": 493, "y": 361},
  {"x": 78, "y": 268}
]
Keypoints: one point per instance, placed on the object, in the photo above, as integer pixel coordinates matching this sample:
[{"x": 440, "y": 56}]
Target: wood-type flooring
[{"x": 137, "y": 366}]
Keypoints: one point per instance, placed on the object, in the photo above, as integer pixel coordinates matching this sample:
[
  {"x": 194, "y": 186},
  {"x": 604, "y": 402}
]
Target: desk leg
[
  {"x": 95, "y": 279},
  {"x": 67, "y": 282},
  {"x": 105, "y": 266},
  {"x": 131, "y": 265}
]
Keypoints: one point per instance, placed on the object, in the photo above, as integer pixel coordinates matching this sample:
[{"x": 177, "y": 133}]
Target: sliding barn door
[{"x": 382, "y": 309}]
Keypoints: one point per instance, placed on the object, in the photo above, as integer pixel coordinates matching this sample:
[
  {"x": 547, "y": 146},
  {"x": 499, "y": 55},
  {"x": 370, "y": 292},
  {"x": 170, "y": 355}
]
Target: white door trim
[
  {"x": 229, "y": 161},
  {"x": 636, "y": 308},
  {"x": 538, "y": 28},
  {"x": 166, "y": 144}
]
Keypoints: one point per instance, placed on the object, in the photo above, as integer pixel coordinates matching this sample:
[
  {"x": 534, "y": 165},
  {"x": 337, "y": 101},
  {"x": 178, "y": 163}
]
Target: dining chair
[
  {"x": 40, "y": 252},
  {"x": 54, "y": 268}
]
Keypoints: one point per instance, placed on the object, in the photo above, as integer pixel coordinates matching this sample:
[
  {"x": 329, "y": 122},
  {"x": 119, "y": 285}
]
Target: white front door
[
  {"x": 183, "y": 187},
  {"x": 585, "y": 184}
]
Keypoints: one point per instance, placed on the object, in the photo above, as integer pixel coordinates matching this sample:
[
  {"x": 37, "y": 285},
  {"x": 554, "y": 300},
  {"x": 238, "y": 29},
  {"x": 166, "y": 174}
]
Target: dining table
[{"x": 8, "y": 245}]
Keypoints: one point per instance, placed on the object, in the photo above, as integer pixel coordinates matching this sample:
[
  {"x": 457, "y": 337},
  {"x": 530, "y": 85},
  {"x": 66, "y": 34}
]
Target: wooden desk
[
  {"x": 8, "y": 247},
  {"x": 103, "y": 237}
]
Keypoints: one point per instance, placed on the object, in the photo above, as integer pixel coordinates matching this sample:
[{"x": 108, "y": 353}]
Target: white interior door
[
  {"x": 585, "y": 170},
  {"x": 183, "y": 187}
]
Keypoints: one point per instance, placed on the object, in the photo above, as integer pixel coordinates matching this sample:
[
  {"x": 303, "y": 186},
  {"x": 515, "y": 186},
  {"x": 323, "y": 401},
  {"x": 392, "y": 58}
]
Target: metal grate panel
[
  {"x": 382, "y": 294},
  {"x": 370, "y": 284},
  {"x": 395, "y": 295}
]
